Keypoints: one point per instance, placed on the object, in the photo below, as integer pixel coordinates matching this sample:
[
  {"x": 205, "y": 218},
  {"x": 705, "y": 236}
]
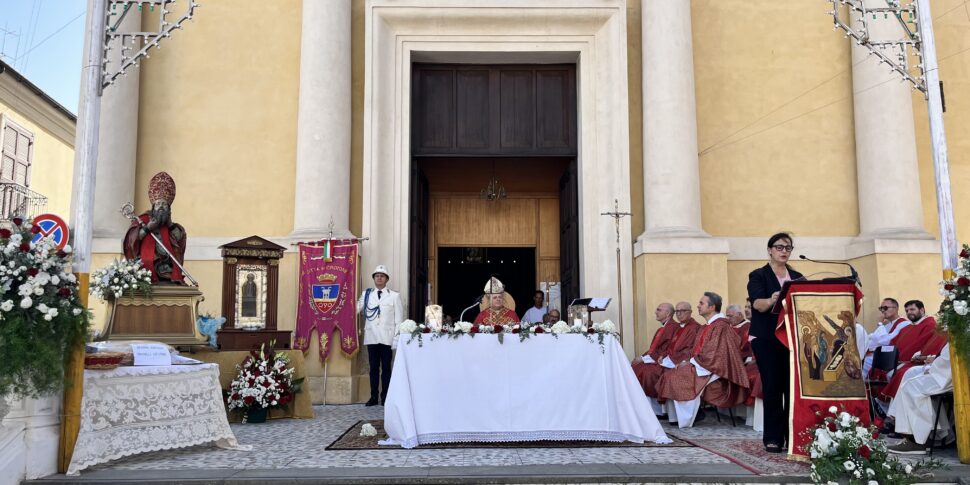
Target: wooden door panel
[
  {"x": 517, "y": 122},
  {"x": 472, "y": 102}
]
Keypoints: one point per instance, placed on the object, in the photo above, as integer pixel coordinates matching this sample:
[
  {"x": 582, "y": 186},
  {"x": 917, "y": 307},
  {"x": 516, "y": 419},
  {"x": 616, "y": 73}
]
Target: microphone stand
[
  {"x": 855, "y": 274},
  {"x": 461, "y": 318}
]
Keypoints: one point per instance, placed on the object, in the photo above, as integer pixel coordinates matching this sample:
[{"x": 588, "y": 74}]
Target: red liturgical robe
[
  {"x": 933, "y": 347},
  {"x": 718, "y": 349},
  {"x": 678, "y": 350},
  {"x": 658, "y": 349},
  {"x": 913, "y": 337},
  {"x": 496, "y": 317}
]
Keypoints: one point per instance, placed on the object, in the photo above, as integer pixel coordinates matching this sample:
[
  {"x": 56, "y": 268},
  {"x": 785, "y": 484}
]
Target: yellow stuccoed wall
[
  {"x": 218, "y": 111},
  {"x": 52, "y": 167},
  {"x": 774, "y": 119}
]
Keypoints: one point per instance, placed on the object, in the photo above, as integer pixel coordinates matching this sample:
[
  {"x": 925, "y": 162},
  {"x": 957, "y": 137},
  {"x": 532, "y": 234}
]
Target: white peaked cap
[
  {"x": 494, "y": 286},
  {"x": 381, "y": 269}
]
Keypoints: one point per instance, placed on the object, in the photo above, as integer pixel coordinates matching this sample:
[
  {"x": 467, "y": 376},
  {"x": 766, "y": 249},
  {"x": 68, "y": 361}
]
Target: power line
[
  {"x": 718, "y": 144},
  {"x": 33, "y": 31},
  {"x": 52, "y": 34},
  {"x": 793, "y": 118}
]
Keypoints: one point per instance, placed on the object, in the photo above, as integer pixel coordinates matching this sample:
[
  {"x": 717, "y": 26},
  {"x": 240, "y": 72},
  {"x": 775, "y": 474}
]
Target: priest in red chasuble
[
  {"x": 647, "y": 367},
  {"x": 715, "y": 371},
  {"x": 496, "y": 313},
  {"x": 678, "y": 350},
  {"x": 139, "y": 242},
  {"x": 743, "y": 328}
]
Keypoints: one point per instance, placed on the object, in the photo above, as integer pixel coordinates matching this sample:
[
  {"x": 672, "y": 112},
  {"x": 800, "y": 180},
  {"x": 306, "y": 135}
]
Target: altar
[{"x": 544, "y": 388}]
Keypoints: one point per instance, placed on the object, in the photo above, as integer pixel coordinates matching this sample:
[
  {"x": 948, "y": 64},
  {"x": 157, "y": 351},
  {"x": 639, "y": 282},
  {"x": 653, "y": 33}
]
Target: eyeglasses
[
  {"x": 681, "y": 311},
  {"x": 884, "y": 308},
  {"x": 782, "y": 247}
]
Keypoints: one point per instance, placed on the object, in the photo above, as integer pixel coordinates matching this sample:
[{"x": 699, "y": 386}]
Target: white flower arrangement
[
  {"x": 40, "y": 310},
  {"x": 407, "y": 327},
  {"x": 120, "y": 277},
  {"x": 560, "y": 328},
  {"x": 842, "y": 449},
  {"x": 368, "y": 430},
  {"x": 462, "y": 327},
  {"x": 263, "y": 380},
  {"x": 605, "y": 327}
]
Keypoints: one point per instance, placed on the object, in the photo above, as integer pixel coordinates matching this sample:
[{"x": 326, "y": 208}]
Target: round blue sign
[{"x": 53, "y": 227}]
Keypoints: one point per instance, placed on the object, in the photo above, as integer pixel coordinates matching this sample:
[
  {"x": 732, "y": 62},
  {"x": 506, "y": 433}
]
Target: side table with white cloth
[
  {"x": 544, "y": 388},
  {"x": 131, "y": 410}
]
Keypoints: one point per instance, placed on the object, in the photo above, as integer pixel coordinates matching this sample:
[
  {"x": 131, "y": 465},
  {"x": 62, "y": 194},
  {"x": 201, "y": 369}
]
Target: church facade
[{"x": 714, "y": 123}]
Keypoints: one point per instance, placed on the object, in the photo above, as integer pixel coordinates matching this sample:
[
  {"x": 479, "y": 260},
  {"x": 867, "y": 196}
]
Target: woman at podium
[{"x": 764, "y": 286}]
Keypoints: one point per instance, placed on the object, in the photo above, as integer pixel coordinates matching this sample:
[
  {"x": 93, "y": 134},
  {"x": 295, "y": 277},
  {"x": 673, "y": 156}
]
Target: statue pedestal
[
  {"x": 168, "y": 316},
  {"x": 237, "y": 339}
]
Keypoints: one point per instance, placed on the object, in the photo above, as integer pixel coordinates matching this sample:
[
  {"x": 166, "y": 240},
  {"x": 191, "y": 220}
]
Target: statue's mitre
[{"x": 161, "y": 187}]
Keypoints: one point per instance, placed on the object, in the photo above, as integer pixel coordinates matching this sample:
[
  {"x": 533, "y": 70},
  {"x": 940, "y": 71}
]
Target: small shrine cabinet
[{"x": 250, "y": 295}]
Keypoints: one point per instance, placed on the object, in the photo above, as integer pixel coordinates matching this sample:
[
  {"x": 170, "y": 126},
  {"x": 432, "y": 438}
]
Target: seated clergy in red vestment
[
  {"x": 496, "y": 313},
  {"x": 678, "y": 350},
  {"x": 930, "y": 349},
  {"x": 658, "y": 348},
  {"x": 743, "y": 328},
  {"x": 913, "y": 337},
  {"x": 715, "y": 371}
]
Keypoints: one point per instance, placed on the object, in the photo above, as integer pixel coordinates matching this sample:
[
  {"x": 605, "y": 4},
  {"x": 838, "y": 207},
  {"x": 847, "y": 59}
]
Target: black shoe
[
  {"x": 773, "y": 448},
  {"x": 371, "y": 402}
]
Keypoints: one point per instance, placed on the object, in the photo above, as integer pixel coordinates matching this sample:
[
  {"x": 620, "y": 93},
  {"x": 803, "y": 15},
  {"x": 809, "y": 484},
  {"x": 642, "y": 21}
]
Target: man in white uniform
[
  {"x": 383, "y": 312},
  {"x": 536, "y": 313},
  {"x": 914, "y": 407}
]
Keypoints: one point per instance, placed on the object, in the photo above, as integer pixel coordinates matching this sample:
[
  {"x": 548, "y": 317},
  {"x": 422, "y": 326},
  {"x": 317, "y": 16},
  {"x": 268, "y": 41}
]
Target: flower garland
[
  {"x": 523, "y": 330},
  {"x": 263, "y": 380},
  {"x": 41, "y": 315},
  {"x": 121, "y": 277},
  {"x": 842, "y": 450},
  {"x": 953, "y": 314}
]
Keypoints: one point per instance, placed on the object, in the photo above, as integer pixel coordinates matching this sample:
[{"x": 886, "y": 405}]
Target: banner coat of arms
[{"x": 328, "y": 289}]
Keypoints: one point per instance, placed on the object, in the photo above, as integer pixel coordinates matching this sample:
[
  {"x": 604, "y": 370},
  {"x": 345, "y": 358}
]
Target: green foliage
[{"x": 41, "y": 315}]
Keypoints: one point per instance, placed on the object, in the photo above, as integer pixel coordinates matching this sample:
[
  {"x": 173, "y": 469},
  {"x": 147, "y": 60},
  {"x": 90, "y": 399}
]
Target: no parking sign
[{"x": 53, "y": 227}]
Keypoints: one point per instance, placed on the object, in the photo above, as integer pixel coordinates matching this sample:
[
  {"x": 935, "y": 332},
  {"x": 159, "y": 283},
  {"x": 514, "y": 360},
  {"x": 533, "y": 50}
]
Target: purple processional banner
[{"x": 328, "y": 292}]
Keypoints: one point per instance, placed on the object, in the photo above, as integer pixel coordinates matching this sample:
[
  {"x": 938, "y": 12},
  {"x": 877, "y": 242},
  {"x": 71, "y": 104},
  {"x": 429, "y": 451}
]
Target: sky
[{"x": 43, "y": 40}]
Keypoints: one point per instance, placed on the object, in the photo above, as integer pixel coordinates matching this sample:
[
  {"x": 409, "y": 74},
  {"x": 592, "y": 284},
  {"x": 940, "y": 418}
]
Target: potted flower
[
  {"x": 842, "y": 450},
  {"x": 41, "y": 315},
  {"x": 120, "y": 278},
  {"x": 263, "y": 382}
]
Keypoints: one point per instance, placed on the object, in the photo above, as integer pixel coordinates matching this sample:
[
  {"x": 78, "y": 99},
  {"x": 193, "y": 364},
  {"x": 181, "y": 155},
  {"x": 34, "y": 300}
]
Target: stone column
[
  {"x": 890, "y": 206},
  {"x": 324, "y": 121},
  {"x": 669, "y": 122},
  {"x": 117, "y": 144}
]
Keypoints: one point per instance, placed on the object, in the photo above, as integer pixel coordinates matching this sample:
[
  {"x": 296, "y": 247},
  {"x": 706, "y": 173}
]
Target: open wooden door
[
  {"x": 418, "y": 250},
  {"x": 569, "y": 235}
]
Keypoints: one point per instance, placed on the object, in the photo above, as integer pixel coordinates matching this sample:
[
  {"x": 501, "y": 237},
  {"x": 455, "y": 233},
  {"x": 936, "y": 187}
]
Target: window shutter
[
  {"x": 17, "y": 154},
  {"x": 9, "y": 137}
]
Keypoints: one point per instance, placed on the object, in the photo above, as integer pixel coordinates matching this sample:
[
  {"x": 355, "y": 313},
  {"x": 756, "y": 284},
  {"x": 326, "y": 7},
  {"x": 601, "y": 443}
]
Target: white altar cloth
[
  {"x": 476, "y": 389},
  {"x": 130, "y": 410}
]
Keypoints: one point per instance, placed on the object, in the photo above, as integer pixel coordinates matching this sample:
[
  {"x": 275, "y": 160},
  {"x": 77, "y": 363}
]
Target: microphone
[
  {"x": 478, "y": 301},
  {"x": 855, "y": 274}
]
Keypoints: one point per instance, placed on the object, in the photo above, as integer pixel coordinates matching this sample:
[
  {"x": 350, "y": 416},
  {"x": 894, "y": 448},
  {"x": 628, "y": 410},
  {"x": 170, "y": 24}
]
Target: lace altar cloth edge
[{"x": 131, "y": 410}]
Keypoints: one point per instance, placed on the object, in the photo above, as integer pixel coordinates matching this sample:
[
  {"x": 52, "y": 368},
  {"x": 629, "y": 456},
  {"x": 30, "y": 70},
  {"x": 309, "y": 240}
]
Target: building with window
[
  {"x": 461, "y": 135},
  {"x": 37, "y": 157}
]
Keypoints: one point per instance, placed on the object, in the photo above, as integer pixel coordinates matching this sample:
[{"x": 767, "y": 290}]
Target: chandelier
[{"x": 494, "y": 190}]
